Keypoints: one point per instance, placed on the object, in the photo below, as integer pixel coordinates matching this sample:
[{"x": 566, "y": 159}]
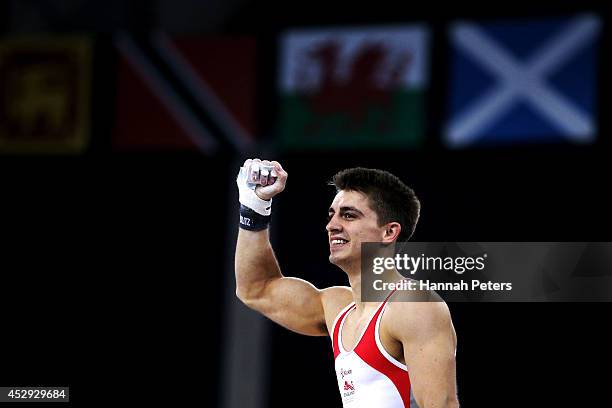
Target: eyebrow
[{"x": 345, "y": 209}]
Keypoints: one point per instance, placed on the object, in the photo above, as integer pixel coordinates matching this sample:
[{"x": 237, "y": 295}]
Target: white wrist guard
[{"x": 248, "y": 198}]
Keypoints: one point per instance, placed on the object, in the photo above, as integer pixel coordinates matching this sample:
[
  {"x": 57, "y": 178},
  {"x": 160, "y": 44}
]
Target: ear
[{"x": 391, "y": 232}]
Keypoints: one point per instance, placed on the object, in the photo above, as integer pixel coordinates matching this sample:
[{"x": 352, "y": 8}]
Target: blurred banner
[
  {"x": 45, "y": 91},
  {"x": 523, "y": 81},
  {"x": 185, "y": 94},
  {"x": 353, "y": 88}
]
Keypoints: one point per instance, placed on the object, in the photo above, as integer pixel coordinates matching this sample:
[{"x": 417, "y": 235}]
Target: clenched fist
[
  {"x": 258, "y": 181},
  {"x": 269, "y": 177}
]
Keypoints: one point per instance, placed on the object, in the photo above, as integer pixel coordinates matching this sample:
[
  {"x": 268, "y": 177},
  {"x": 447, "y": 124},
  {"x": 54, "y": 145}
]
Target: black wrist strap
[{"x": 252, "y": 221}]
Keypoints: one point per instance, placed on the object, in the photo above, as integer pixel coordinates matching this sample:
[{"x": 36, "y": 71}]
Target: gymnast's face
[{"x": 351, "y": 222}]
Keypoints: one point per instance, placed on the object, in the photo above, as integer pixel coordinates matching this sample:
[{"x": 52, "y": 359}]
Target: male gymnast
[{"x": 387, "y": 354}]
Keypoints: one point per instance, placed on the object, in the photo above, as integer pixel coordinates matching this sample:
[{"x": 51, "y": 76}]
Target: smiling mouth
[{"x": 337, "y": 243}]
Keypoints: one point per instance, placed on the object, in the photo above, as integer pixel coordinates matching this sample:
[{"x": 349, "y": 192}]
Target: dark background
[{"x": 112, "y": 262}]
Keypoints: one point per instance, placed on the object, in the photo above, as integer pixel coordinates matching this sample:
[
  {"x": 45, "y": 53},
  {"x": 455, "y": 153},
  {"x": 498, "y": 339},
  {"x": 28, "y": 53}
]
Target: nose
[{"x": 333, "y": 225}]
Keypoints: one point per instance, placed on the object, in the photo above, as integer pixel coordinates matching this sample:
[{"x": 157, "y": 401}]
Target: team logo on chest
[
  {"x": 347, "y": 386},
  {"x": 344, "y": 373}
]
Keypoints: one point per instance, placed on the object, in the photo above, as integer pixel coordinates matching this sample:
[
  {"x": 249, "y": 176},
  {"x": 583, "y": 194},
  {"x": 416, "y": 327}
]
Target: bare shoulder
[
  {"x": 418, "y": 315},
  {"x": 334, "y": 299}
]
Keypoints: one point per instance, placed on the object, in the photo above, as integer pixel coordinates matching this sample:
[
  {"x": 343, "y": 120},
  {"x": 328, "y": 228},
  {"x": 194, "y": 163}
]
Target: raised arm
[
  {"x": 293, "y": 303},
  {"x": 429, "y": 341}
]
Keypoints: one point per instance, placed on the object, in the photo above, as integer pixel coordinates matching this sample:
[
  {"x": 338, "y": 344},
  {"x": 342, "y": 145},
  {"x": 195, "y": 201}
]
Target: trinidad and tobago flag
[{"x": 188, "y": 93}]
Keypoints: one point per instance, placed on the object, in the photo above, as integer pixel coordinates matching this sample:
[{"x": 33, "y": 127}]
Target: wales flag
[{"x": 353, "y": 88}]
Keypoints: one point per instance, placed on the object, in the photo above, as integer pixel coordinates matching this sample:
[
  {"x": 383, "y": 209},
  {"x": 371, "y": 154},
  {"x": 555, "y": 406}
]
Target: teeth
[{"x": 339, "y": 241}]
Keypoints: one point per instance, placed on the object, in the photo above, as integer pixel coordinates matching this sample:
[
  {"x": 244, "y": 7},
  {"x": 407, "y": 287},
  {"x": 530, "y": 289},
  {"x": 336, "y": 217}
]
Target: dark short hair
[{"x": 389, "y": 197}]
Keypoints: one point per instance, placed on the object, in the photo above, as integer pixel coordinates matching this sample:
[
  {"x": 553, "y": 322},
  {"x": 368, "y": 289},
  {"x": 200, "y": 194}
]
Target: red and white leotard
[{"x": 368, "y": 376}]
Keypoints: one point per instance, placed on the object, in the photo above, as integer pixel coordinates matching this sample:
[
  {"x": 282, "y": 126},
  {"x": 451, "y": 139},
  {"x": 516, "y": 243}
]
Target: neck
[
  {"x": 390, "y": 275},
  {"x": 355, "y": 282},
  {"x": 353, "y": 271}
]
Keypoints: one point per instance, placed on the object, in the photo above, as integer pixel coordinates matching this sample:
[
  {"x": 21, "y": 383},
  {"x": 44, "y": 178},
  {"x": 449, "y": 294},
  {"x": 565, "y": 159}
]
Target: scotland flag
[{"x": 523, "y": 81}]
